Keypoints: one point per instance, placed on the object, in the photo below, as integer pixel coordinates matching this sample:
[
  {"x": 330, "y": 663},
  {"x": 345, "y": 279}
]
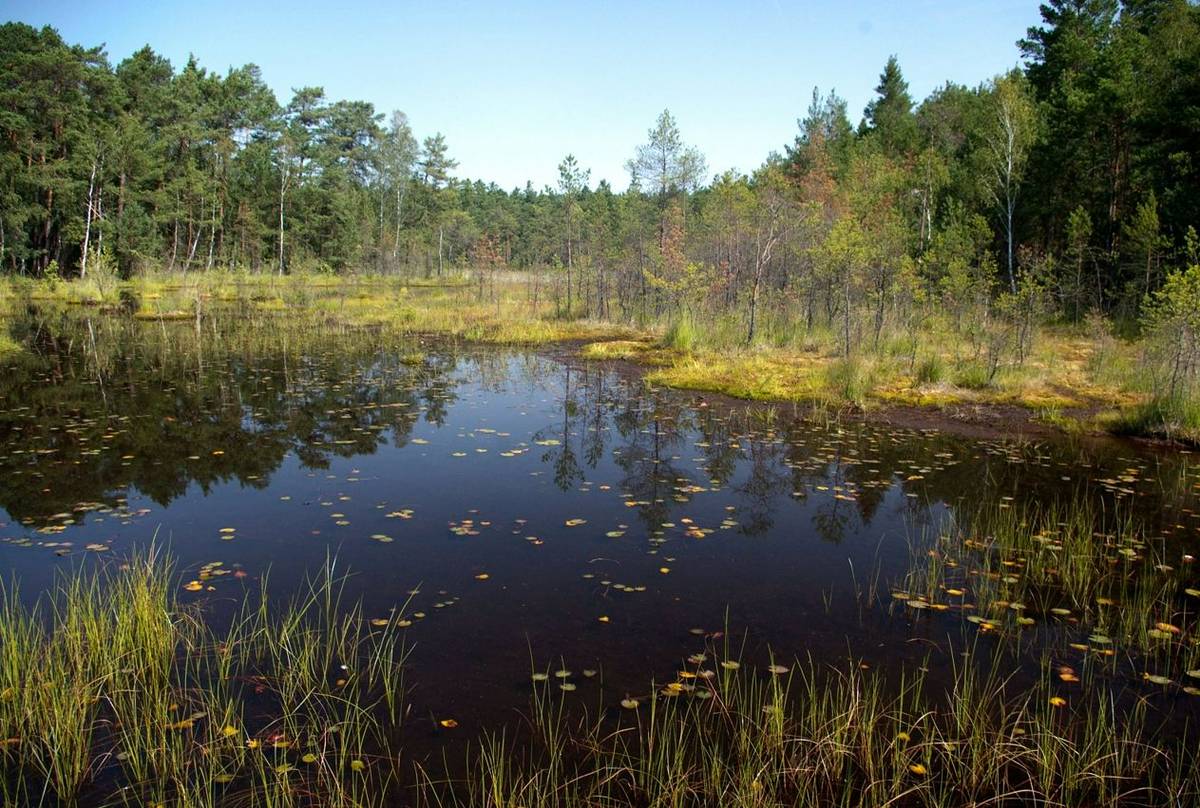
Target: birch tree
[{"x": 1009, "y": 138}]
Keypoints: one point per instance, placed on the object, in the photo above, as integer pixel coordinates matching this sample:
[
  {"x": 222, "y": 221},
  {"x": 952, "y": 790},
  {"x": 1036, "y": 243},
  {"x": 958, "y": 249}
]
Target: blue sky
[{"x": 514, "y": 86}]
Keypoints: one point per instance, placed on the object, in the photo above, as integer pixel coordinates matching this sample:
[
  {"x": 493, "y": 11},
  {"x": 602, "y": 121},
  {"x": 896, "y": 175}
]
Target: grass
[
  {"x": 829, "y": 735},
  {"x": 1092, "y": 583},
  {"x": 9, "y": 348},
  {"x": 1173, "y": 418},
  {"x": 112, "y": 692}
]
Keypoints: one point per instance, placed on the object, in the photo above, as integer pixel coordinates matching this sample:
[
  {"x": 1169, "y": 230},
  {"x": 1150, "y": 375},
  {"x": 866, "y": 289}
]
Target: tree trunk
[
  {"x": 282, "y": 189},
  {"x": 87, "y": 228},
  {"x": 1008, "y": 230},
  {"x": 569, "y": 263}
]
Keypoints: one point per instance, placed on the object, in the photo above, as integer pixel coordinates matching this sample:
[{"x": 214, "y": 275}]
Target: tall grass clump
[
  {"x": 1172, "y": 417},
  {"x": 930, "y": 370},
  {"x": 850, "y": 380},
  {"x": 682, "y": 334},
  {"x": 112, "y": 692},
  {"x": 820, "y": 735}
]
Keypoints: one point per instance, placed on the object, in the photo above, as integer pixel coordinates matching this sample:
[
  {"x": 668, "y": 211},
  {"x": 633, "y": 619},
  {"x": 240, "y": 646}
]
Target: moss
[
  {"x": 631, "y": 350},
  {"x": 754, "y": 376}
]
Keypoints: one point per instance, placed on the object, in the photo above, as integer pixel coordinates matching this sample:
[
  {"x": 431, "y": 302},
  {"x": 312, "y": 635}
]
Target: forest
[{"x": 1065, "y": 191}]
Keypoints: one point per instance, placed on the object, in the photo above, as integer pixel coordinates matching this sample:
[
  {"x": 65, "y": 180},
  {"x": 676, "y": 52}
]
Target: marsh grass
[
  {"x": 1088, "y": 581},
  {"x": 1174, "y": 418},
  {"x": 111, "y": 692},
  {"x": 824, "y": 735}
]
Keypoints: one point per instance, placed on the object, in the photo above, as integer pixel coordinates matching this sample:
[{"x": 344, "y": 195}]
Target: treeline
[{"x": 1073, "y": 183}]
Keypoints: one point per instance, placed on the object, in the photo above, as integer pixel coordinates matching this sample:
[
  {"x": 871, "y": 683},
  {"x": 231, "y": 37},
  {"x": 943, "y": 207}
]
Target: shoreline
[{"x": 1055, "y": 393}]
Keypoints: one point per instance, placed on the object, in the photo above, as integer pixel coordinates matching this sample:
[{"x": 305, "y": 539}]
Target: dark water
[{"x": 522, "y": 495}]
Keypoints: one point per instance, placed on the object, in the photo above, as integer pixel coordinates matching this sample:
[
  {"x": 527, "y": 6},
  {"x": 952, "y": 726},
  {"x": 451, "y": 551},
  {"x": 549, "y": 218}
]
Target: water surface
[{"x": 523, "y": 508}]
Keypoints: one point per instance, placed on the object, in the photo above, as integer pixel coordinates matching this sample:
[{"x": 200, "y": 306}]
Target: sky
[{"x": 514, "y": 86}]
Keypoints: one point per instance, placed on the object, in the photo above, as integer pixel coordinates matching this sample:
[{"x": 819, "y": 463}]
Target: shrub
[{"x": 1172, "y": 322}]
